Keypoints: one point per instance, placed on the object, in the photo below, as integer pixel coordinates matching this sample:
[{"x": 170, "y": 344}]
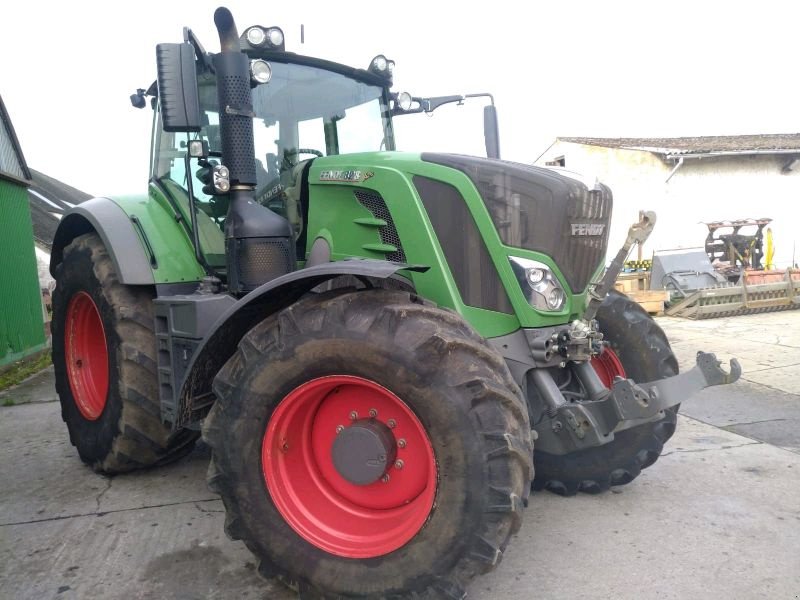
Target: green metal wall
[{"x": 21, "y": 320}]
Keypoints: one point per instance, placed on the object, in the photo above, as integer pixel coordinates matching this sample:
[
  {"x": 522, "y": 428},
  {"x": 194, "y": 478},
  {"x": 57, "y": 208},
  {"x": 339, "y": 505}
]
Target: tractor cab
[{"x": 302, "y": 108}]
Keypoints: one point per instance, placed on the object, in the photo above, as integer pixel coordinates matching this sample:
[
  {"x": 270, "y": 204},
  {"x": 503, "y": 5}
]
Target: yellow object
[{"x": 770, "y": 255}]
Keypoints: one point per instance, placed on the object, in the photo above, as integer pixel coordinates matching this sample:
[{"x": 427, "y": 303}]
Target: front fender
[
  {"x": 115, "y": 228},
  {"x": 222, "y": 339}
]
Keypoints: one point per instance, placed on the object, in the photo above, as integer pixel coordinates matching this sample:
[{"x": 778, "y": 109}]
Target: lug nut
[
  {"x": 557, "y": 426},
  {"x": 353, "y": 415},
  {"x": 373, "y": 413},
  {"x": 398, "y": 464},
  {"x": 391, "y": 423},
  {"x": 339, "y": 428},
  {"x": 385, "y": 478},
  {"x": 401, "y": 443}
]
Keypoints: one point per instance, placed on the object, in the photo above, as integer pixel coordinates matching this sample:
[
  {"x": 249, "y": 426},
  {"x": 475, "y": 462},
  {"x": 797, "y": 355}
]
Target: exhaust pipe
[
  {"x": 259, "y": 244},
  {"x": 235, "y": 103},
  {"x": 228, "y": 36}
]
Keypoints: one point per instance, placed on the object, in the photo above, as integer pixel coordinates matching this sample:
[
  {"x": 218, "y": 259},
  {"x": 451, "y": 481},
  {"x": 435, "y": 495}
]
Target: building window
[{"x": 557, "y": 162}]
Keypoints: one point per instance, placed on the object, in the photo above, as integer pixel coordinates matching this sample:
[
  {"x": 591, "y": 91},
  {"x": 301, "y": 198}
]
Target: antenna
[{"x": 302, "y": 33}]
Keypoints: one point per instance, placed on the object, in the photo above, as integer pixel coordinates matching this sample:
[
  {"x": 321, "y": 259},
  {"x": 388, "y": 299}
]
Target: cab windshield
[{"x": 306, "y": 111}]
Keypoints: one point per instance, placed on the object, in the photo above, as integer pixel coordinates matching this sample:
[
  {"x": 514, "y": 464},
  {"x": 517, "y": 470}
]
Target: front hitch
[{"x": 575, "y": 426}]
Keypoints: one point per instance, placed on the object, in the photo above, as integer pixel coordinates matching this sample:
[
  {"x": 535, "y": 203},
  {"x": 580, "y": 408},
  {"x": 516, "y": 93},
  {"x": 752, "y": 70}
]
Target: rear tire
[
  {"x": 105, "y": 366},
  {"x": 456, "y": 388},
  {"x": 645, "y": 354}
]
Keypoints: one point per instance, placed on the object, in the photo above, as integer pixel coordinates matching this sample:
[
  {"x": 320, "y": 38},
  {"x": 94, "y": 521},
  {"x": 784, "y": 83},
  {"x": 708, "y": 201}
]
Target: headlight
[
  {"x": 260, "y": 71},
  {"x": 555, "y": 298},
  {"x": 539, "y": 284},
  {"x": 534, "y": 275}
]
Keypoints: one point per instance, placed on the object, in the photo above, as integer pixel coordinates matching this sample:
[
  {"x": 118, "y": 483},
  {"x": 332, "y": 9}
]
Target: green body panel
[
  {"x": 21, "y": 318},
  {"x": 351, "y": 230},
  {"x": 167, "y": 237}
]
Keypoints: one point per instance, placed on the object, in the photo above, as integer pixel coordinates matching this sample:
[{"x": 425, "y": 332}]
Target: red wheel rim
[
  {"x": 86, "y": 356},
  {"x": 324, "y": 508},
  {"x": 608, "y": 366}
]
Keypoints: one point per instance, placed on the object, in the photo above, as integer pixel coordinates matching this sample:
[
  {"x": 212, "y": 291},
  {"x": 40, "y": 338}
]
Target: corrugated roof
[
  {"x": 12, "y": 161},
  {"x": 49, "y": 198},
  {"x": 777, "y": 143}
]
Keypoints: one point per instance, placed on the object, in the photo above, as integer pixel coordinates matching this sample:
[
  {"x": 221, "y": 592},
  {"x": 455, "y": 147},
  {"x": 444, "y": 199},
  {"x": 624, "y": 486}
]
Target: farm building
[
  {"x": 49, "y": 199},
  {"x": 22, "y": 332},
  {"x": 692, "y": 180}
]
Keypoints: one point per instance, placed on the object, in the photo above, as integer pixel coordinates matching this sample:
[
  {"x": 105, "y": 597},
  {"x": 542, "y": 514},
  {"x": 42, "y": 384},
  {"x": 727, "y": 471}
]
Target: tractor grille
[
  {"x": 551, "y": 212},
  {"x": 374, "y": 203},
  {"x": 583, "y": 254},
  {"x": 467, "y": 256}
]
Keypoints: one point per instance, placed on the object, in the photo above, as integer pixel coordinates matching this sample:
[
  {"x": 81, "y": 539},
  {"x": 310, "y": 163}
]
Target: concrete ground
[{"x": 717, "y": 517}]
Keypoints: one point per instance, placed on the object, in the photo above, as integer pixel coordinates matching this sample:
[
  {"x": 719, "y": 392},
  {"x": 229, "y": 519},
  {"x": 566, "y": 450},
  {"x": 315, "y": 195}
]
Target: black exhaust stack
[{"x": 259, "y": 244}]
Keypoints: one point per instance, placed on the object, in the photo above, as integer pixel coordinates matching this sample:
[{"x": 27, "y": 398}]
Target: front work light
[
  {"x": 404, "y": 100},
  {"x": 221, "y": 179},
  {"x": 380, "y": 65},
  {"x": 539, "y": 284},
  {"x": 260, "y": 71},
  {"x": 270, "y": 38},
  {"x": 256, "y": 36},
  {"x": 275, "y": 37},
  {"x": 198, "y": 148}
]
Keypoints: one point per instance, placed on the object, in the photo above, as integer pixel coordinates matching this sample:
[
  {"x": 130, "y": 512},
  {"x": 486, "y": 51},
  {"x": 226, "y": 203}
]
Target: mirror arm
[
  {"x": 202, "y": 56},
  {"x": 482, "y": 95}
]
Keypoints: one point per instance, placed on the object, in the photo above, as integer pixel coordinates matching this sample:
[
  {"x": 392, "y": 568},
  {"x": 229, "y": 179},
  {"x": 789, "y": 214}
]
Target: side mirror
[
  {"x": 177, "y": 87},
  {"x": 491, "y": 132}
]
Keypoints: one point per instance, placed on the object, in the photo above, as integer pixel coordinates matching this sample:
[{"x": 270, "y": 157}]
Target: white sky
[{"x": 556, "y": 68}]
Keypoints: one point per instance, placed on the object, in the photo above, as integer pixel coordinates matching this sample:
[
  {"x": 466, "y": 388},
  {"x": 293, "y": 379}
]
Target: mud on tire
[
  {"x": 644, "y": 351},
  {"x": 455, "y": 384},
  {"x": 128, "y": 434}
]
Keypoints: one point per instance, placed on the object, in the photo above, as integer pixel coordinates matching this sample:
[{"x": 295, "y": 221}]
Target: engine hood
[{"x": 552, "y": 211}]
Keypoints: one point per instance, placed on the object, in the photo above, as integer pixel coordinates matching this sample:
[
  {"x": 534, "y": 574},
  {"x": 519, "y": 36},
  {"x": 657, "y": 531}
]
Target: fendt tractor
[{"x": 370, "y": 341}]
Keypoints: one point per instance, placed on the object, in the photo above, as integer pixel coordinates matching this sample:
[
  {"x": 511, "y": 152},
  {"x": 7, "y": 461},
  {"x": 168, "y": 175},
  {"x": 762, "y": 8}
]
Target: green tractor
[{"x": 369, "y": 341}]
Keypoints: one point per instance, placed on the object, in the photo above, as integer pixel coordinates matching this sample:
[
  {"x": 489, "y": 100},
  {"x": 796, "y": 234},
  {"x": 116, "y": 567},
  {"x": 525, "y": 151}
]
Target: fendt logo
[
  {"x": 588, "y": 229},
  {"x": 346, "y": 176}
]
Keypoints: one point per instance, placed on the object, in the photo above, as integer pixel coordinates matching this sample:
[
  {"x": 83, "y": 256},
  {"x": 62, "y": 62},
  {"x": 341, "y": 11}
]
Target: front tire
[
  {"x": 104, "y": 358},
  {"x": 643, "y": 349},
  {"x": 310, "y": 373}
]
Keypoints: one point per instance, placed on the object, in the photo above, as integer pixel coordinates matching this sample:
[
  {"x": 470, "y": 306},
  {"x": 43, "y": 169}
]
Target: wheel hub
[
  {"x": 362, "y": 452},
  {"x": 349, "y": 466},
  {"x": 86, "y": 356}
]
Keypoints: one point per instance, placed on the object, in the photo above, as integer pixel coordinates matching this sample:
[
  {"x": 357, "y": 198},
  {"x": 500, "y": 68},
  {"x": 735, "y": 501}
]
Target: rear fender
[{"x": 222, "y": 339}]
